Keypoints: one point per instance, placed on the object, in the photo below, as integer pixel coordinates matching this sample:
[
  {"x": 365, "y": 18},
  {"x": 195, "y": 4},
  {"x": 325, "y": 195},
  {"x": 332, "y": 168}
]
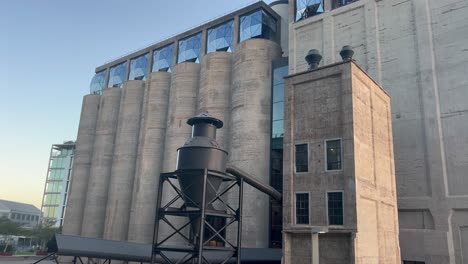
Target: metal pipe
[{"x": 254, "y": 182}]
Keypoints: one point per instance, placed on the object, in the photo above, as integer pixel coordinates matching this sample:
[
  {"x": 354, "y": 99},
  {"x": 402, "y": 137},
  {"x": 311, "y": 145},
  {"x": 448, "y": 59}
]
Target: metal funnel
[{"x": 201, "y": 151}]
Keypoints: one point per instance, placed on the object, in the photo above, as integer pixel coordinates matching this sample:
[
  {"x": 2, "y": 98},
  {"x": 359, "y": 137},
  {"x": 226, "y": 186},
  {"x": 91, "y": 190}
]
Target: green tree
[
  {"x": 9, "y": 228},
  {"x": 45, "y": 231}
]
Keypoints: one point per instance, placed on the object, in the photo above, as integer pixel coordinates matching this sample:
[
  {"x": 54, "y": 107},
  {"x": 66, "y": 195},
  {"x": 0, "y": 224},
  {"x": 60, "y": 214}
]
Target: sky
[{"x": 49, "y": 50}]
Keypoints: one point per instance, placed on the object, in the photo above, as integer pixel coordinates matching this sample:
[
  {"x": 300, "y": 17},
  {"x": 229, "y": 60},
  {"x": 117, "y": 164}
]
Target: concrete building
[
  {"x": 339, "y": 192},
  {"x": 25, "y": 214},
  {"x": 233, "y": 67},
  {"x": 54, "y": 201}
]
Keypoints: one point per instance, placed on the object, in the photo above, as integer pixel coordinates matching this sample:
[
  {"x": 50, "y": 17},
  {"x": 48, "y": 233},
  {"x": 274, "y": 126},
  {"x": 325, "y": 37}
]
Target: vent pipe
[
  {"x": 313, "y": 58},
  {"x": 347, "y": 53}
]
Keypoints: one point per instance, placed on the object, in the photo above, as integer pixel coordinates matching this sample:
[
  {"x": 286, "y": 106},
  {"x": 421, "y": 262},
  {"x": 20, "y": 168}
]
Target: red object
[
  {"x": 6, "y": 254},
  {"x": 41, "y": 253}
]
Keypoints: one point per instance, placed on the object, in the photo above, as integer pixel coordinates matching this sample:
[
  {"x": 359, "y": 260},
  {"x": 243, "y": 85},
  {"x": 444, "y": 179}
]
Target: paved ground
[{"x": 23, "y": 260}]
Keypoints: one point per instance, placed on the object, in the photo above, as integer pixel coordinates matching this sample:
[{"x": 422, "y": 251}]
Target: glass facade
[
  {"x": 335, "y": 208},
  {"x": 220, "y": 37},
  {"x": 98, "y": 82},
  {"x": 117, "y": 75},
  {"x": 138, "y": 68},
  {"x": 57, "y": 182},
  {"x": 258, "y": 24},
  {"x": 308, "y": 8},
  {"x": 280, "y": 70},
  {"x": 190, "y": 49},
  {"x": 162, "y": 58}
]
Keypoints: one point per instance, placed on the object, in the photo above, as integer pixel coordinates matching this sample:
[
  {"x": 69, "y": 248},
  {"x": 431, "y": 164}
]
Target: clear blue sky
[{"x": 48, "y": 52}]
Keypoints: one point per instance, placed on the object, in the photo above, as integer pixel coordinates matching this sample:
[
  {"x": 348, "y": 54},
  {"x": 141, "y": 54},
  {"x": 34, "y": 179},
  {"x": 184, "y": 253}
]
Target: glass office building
[{"x": 57, "y": 182}]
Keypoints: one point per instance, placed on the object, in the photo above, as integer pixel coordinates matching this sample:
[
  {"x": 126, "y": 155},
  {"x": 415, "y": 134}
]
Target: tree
[
  {"x": 9, "y": 228},
  {"x": 46, "y": 231}
]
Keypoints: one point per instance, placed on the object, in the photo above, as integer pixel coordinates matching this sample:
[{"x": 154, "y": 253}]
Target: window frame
[
  {"x": 326, "y": 156},
  {"x": 308, "y": 208},
  {"x": 308, "y": 155},
  {"x": 326, "y": 205}
]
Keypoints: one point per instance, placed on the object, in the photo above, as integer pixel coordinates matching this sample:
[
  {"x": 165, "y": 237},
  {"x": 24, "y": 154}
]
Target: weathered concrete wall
[
  {"x": 250, "y": 133},
  {"x": 149, "y": 163},
  {"x": 124, "y": 162},
  {"x": 182, "y": 106},
  {"x": 81, "y": 165},
  {"x": 420, "y": 56},
  {"x": 101, "y": 163},
  {"x": 214, "y": 93},
  {"x": 341, "y": 101}
]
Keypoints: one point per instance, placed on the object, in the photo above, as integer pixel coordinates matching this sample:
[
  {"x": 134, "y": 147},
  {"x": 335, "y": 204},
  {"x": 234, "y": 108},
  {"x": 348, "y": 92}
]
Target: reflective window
[
  {"x": 220, "y": 37},
  {"x": 138, "y": 68},
  {"x": 333, "y": 154},
  {"x": 162, "y": 58},
  {"x": 98, "y": 82},
  {"x": 338, "y": 3},
  {"x": 258, "y": 24},
  {"x": 308, "y": 8},
  {"x": 117, "y": 75},
  {"x": 335, "y": 208},
  {"x": 302, "y": 158},
  {"x": 190, "y": 49},
  {"x": 302, "y": 208}
]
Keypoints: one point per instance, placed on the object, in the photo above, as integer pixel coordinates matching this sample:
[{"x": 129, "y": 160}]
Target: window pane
[
  {"x": 117, "y": 75},
  {"x": 334, "y": 154},
  {"x": 98, "y": 82},
  {"x": 258, "y": 24},
  {"x": 190, "y": 49},
  {"x": 278, "y": 111},
  {"x": 308, "y": 8},
  {"x": 162, "y": 58},
  {"x": 302, "y": 208},
  {"x": 220, "y": 37},
  {"x": 338, "y": 3},
  {"x": 278, "y": 129},
  {"x": 138, "y": 68},
  {"x": 335, "y": 208},
  {"x": 302, "y": 158}
]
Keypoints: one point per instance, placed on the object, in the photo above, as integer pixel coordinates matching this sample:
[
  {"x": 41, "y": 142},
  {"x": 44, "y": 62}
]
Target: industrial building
[
  {"x": 56, "y": 187},
  {"x": 134, "y": 120}
]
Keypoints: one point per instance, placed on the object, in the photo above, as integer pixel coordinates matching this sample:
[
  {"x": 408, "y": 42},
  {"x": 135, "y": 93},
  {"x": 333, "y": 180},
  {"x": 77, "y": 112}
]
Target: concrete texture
[
  {"x": 150, "y": 158},
  {"x": 124, "y": 162},
  {"x": 81, "y": 165},
  {"x": 182, "y": 106},
  {"x": 250, "y": 133},
  {"x": 213, "y": 96},
  {"x": 341, "y": 101},
  {"x": 96, "y": 196},
  {"x": 282, "y": 9},
  {"x": 420, "y": 56}
]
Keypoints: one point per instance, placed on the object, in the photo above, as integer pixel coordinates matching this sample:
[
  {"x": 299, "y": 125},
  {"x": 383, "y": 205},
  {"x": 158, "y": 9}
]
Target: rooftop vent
[
  {"x": 313, "y": 58},
  {"x": 347, "y": 53}
]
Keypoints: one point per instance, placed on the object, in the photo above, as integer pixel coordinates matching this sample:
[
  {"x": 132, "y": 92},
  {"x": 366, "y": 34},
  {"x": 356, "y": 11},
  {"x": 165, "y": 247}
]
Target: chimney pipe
[
  {"x": 347, "y": 53},
  {"x": 313, "y": 58}
]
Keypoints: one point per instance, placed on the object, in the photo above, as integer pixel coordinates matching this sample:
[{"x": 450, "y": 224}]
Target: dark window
[
  {"x": 138, "y": 68},
  {"x": 258, "y": 24},
  {"x": 302, "y": 208},
  {"x": 308, "y": 8},
  {"x": 117, "y": 75},
  {"x": 190, "y": 49},
  {"x": 162, "y": 58},
  {"x": 335, "y": 208},
  {"x": 302, "y": 158},
  {"x": 333, "y": 154},
  {"x": 338, "y": 3},
  {"x": 220, "y": 37},
  {"x": 98, "y": 82},
  {"x": 413, "y": 262}
]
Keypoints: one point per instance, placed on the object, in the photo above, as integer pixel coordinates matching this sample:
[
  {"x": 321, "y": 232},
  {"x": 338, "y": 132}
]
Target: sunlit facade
[{"x": 56, "y": 187}]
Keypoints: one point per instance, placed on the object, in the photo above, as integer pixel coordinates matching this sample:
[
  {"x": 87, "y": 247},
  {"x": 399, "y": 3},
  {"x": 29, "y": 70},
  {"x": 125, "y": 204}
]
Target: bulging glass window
[
  {"x": 98, "y": 82},
  {"x": 190, "y": 49},
  {"x": 220, "y": 37},
  {"x": 258, "y": 24},
  {"x": 162, "y": 58},
  {"x": 117, "y": 75},
  {"x": 308, "y": 8},
  {"x": 138, "y": 68}
]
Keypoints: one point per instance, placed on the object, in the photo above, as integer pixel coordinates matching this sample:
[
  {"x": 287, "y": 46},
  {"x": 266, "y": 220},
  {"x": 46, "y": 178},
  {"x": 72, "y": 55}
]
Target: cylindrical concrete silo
[
  {"x": 182, "y": 106},
  {"x": 215, "y": 83},
  {"x": 96, "y": 197},
  {"x": 282, "y": 9},
  {"x": 119, "y": 199},
  {"x": 149, "y": 163},
  {"x": 250, "y": 123},
  {"x": 81, "y": 165}
]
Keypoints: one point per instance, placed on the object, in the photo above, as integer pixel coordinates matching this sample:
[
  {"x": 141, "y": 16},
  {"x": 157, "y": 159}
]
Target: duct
[{"x": 254, "y": 182}]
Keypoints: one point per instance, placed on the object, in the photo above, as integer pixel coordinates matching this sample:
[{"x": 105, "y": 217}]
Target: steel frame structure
[{"x": 197, "y": 246}]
